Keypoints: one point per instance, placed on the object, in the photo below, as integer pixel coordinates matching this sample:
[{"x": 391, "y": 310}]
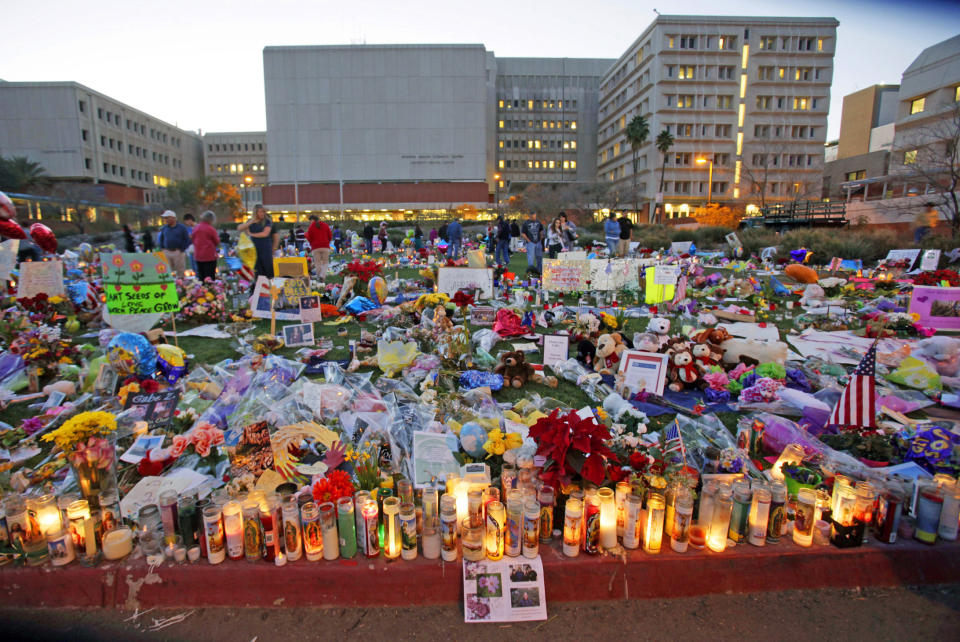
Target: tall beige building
[
  {"x": 240, "y": 159},
  {"x": 749, "y": 94}
]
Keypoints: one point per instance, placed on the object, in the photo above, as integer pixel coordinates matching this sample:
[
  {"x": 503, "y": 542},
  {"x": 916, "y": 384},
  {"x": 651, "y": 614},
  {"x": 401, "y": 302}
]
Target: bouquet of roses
[
  {"x": 47, "y": 309},
  {"x": 202, "y": 302}
]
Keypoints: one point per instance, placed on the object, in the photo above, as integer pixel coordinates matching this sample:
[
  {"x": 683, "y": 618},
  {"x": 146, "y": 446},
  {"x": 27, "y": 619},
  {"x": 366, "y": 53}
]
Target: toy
[
  {"x": 753, "y": 351},
  {"x": 586, "y": 352},
  {"x": 514, "y": 368},
  {"x": 646, "y": 341},
  {"x": 943, "y": 352},
  {"x": 660, "y": 327},
  {"x": 813, "y": 296},
  {"x": 706, "y": 355},
  {"x": 609, "y": 349},
  {"x": 715, "y": 336},
  {"x": 682, "y": 370},
  {"x": 441, "y": 323}
]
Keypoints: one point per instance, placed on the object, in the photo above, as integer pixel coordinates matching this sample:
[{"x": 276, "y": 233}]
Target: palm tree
[
  {"x": 638, "y": 130},
  {"x": 20, "y": 174},
  {"x": 664, "y": 143}
]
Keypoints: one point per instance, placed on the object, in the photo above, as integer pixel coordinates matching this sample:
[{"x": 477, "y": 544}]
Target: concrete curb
[{"x": 363, "y": 582}]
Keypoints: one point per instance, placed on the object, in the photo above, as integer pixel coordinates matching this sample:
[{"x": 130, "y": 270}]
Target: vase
[
  {"x": 94, "y": 464},
  {"x": 794, "y": 486}
]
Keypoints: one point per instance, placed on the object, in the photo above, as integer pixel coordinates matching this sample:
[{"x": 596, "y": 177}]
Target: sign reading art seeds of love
[{"x": 138, "y": 283}]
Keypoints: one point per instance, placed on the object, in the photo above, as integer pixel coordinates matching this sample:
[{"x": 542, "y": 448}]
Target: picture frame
[
  {"x": 106, "y": 381},
  {"x": 644, "y": 370},
  {"x": 298, "y": 334},
  {"x": 290, "y": 266},
  {"x": 556, "y": 348},
  {"x": 310, "y": 311}
]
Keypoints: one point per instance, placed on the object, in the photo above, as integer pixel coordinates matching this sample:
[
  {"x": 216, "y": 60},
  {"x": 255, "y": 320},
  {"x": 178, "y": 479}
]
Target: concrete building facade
[
  {"x": 546, "y": 116},
  {"x": 749, "y": 94},
  {"x": 80, "y": 135},
  {"x": 240, "y": 159}
]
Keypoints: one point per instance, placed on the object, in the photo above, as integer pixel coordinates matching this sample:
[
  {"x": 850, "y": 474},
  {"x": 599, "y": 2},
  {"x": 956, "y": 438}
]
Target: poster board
[
  {"x": 655, "y": 293},
  {"x": 900, "y": 255},
  {"x": 556, "y": 348},
  {"x": 666, "y": 274},
  {"x": 938, "y": 307},
  {"x": 930, "y": 260},
  {"x": 287, "y": 310},
  {"x": 644, "y": 370},
  {"x": 509, "y": 590},
  {"x": 432, "y": 459},
  {"x": 310, "y": 310},
  {"x": 40, "y": 276},
  {"x": 452, "y": 279},
  {"x": 156, "y": 408},
  {"x": 574, "y": 255},
  {"x": 564, "y": 275},
  {"x": 298, "y": 334},
  {"x": 290, "y": 266},
  {"x": 682, "y": 247},
  {"x": 615, "y": 274},
  {"x": 138, "y": 283}
]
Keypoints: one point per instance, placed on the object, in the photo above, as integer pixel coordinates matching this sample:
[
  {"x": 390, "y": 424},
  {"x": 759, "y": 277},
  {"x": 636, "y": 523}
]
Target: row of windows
[
  {"x": 784, "y": 160},
  {"x": 767, "y": 43},
  {"x": 777, "y": 187},
  {"x": 114, "y": 118},
  {"x": 919, "y": 105},
  {"x": 694, "y": 187},
  {"x": 796, "y": 103},
  {"x": 228, "y": 147},
  {"x": 706, "y": 72},
  {"x": 790, "y": 73},
  {"x": 237, "y": 168},
  {"x": 119, "y": 170},
  {"x": 537, "y": 144},
  {"x": 513, "y": 163},
  {"x": 691, "y": 130},
  {"x": 537, "y": 124},
  {"x": 533, "y": 103},
  {"x": 708, "y": 42},
  {"x": 141, "y": 152},
  {"x": 784, "y": 131},
  {"x": 790, "y": 43}
]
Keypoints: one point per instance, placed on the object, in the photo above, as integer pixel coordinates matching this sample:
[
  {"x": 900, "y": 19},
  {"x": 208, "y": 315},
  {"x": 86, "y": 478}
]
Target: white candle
[
  {"x": 90, "y": 536},
  {"x": 431, "y": 542},
  {"x": 117, "y": 543},
  {"x": 233, "y": 529},
  {"x": 608, "y": 518}
]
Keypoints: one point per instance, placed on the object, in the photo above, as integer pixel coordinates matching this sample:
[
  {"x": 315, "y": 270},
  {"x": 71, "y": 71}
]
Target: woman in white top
[{"x": 554, "y": 238}]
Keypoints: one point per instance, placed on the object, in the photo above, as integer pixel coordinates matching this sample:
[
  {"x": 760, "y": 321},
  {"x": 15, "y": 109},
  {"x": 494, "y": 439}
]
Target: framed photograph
[
  {"x": 106, "y": 382},
  {"x": 298, "y": 334},
  {"x": 310, "y": 309},
  {"x": 481, "y": 315},
  {"x": 157, "y": 408},
  {"x": 644, "y": 370},
  {"x": 140, "y": 448},
  {"x": 556, "y": 347}
]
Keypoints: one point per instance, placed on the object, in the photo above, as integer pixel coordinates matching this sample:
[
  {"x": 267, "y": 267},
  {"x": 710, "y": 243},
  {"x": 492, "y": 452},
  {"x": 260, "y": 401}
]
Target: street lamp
[
  {"x": 496, "y": 191},
  {"x": 701, "y": 161},
  {"x": 247, "y": 181}
]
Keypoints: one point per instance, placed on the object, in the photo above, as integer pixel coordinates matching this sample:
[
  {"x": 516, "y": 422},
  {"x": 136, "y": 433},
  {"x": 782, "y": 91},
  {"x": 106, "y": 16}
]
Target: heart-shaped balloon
[
  {"x": 11, "y": 229},
  {"x": 44, "y": 237},
  {"x": 7, "y": 210}
]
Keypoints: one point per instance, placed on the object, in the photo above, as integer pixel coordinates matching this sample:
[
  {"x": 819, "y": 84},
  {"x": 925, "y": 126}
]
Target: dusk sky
[{"x": 199, "y": 64}]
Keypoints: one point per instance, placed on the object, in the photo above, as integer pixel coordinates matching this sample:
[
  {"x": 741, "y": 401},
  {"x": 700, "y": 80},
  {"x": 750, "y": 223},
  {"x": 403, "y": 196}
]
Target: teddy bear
[
  {"x": 943, "y": 352},
  {"x": 706, "y": 355},
  {"x": 514, "y": 368},
  {"x": 813, "y": 296},
  {"x": 682, "y": 370},
  {"x": 609, "y": 349},
  {"x": 660, "y": 327},
  {"x": 715, "y": 336},
  {"x": 646, "y": 342}
]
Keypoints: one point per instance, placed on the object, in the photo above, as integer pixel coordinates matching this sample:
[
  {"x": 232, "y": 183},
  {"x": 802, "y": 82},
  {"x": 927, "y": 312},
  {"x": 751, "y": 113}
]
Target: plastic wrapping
[
  {"x": 705, "y": 432},
  {"x": 485, "y": 339},
  {"x": 393, "y": 356}
]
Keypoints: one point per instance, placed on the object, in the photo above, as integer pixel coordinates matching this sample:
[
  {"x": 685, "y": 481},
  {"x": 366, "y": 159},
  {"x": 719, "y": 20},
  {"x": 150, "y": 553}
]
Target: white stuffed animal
[
  {"x": 660, "y": 327},
  {"x": 762, "y": 351},
  {"x": 813, "y": 296}
]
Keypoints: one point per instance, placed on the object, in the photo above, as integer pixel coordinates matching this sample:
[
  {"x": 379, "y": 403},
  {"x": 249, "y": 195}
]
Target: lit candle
[
  {"x": 90, "y": 536},
  {"x": 653, "y": 534},
  {"x": 792, "y": 454},
  {"x": 608, "y": 518},
  {"x": 495, "y": 524},
  {"x": 60, "y": 547},
  {"x": 719, "y": 526},
  {"x": 117, "y": 543},
  {"x": 371, "y": 539},
  {"x": 48, "y": 514},
  {"x": 391, "y": 527},
  {"x": 328, "y": 526},
  {"x": 280, "y": 559},
  {"x": 233, "y": 529},
  {"x": 460, "y": 493},
  {"x": 803, "y": 524},
  {"x": 572, "y": 518},
  {"x": 78, "y": 512}
]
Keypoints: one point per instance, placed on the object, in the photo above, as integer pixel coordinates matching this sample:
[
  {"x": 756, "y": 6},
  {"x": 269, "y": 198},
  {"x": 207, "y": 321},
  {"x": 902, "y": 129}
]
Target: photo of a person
[
  {"x": 299, "y": 334},
  {"x": 524, "y": 597}
]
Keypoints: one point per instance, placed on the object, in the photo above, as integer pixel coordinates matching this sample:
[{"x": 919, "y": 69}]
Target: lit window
[
  {"x": 916, "y": 106},
  {"x": 746, "y": 56},
  {"x": 736, "y": 192},
  {"x": 536, "y": 144},
  {"x": 743, "y": 85},
  {"x": 741, "y": 115},
  {"x": 500, "y": 104},
  {"x": 819, "y": 44},
  {"x": 501, "y": 183},
  {"x": 573, "y": 144},
  {"x": 500, "y": 124},
  {"x": 721, "y": 43},
  {"x": 500, "y": 164},
  {"x": 573, "y": 124},
  {"x": 573, "y": 164},
  {"x": 501, "y": 144},
  {"x": 956, "y": 94},
  {"x": 529, "y": 104},
  {"x": 550, "y": 164},
  {"x": 670, "y": 42},
  {"x": 529, "y": 164},
  {"x": 566, "y": 164},
  {"x": 736, "y": 172},
  {"x": 685, "y": 72},
  {"x": 782, "y": 72},
  {"x": 233, "y": 169},
  {"x": 910, "y": 157},
  {"x": 739, "y": 143}
]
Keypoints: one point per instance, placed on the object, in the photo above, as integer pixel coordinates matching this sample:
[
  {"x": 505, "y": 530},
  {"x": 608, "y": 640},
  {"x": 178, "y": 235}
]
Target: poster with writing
[
  {"x": 666, "y": 274},
  {"x": 310, "y": 310},
  {"x": 556, "y": 348},
  {"x": 644, "y": 371},
  {"x": 138, "y": 283},
  {"x": 432, "y": 458},
  {"x": 563, "y": 275},
  {"x": 452, "y": 279},
  {"x": 902, "y": 255},
  {"x": 616, "y": 274},
  {"x": 509, "y": 590},
  {"x": 938, "y": 307},
  {"x": 40, "y": 276},
  {"x": 156, "y": 408},
  {"x": 930, "y": 260},
  {"x": 286, "y": 309}
]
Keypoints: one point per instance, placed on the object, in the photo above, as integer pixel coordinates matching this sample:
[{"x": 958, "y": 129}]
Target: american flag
[
  {"x": 681, "y": 291},
  {"x": 857, "y": 403},
  {"x": 674, "y": 441}
]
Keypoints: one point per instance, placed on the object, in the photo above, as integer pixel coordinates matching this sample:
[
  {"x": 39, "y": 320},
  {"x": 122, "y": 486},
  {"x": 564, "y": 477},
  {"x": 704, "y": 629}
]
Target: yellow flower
[
  {"x": 609, "y": 320},
  {"x": 81, "y": 427},
  {"x": 495, "y": 447},
  {"x": 513, "y": 440},
  {"x": 914, "y": 316},
  {"x": 57, "y": 299}
]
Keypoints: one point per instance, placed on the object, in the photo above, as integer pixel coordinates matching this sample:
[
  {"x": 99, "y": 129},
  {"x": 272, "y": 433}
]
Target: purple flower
[{"x": 31, "y": 425}]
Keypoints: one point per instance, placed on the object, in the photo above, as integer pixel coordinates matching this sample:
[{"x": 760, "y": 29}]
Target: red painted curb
[{"x": 362, "y": 582}]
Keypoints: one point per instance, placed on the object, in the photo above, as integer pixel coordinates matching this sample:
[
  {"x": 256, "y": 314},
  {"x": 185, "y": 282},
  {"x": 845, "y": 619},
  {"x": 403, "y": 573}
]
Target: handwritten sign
[
  {"x": 938, "y": 307},
  {"x": 930, "y": 260},
  {"x": 666, "y": 274},
  {"x": 452, "y": 279},
  {"x": 138, "y": 283},
  {"x": 902, "y": 255},
  {"x": 561, "y": 275},
  {"x": 615, "y": 274},
  {"x": 556, "y": 348},
  {"x": 40, "y": 276},
  {"x": 294, "y": 288}
]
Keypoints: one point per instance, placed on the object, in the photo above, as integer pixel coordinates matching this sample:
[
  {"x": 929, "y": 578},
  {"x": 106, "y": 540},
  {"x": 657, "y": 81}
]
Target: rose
[{"x": 180, "y": 444}]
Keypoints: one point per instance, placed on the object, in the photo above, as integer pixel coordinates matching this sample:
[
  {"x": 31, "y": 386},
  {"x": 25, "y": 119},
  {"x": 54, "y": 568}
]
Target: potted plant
[{"x": 797, "y": 476}]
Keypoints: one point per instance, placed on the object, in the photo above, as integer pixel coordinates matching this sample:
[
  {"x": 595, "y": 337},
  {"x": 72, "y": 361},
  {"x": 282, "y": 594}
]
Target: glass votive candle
[
  {"x": 60, "y": 547},
  {"x": 471, "y": 535}
]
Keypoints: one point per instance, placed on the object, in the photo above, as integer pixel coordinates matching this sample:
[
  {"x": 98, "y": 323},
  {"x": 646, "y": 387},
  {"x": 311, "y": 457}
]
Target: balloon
[
  {"x": 44, "y": 237},
  {"x": 801, "y": 273},
  {"x": 131, "y": 354},
  {"x": 11, "y": 229},
  {"x": 7, "y": 210},
  {"x": 472, "y": 438},
  {"x": 86, "y": 252},
  {"x": 171, "y": 362},
  {"x": 378, "y": 290}
]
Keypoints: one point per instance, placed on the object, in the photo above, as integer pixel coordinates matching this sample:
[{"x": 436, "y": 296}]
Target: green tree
[
  {"x": 664, "y": 143},
  {"x": 20, "y": 174},
  {"x": 638, "y": 130},
  {"x": 195, "y": 195}
]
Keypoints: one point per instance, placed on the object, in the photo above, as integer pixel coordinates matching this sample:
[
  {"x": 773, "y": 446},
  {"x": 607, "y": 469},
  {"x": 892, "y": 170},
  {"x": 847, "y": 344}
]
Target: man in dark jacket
[
  {"x": 368, "y": 235},
  {"x": 502, "y": 252}
]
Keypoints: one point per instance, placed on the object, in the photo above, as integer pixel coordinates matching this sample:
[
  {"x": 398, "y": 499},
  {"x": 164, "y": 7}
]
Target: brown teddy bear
[
  {"x": 609, "y": 349},
  {"x": 514, "y": 368},
  {"x": 715, "y": 336},
  {"x": 682, "y": 369}
]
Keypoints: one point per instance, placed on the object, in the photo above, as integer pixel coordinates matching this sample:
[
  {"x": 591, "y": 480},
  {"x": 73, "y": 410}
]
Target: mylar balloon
[
  {"x": 131, "y": 354},
  {"x": 86, "y": 252},
  {"x": 7, "y": 210},
  {"x": 44, "y": 237},
  {"x": 171, "y": 362},
  {"x": 378, "y": 290},
  {"x": 11, "y": 229}
]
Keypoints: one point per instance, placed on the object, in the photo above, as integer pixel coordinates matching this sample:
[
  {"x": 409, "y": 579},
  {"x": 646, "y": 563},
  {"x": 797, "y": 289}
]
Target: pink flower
[
  {"x": 202, "y": 445},
  {"x": 740, "y": 370},
  {"x": 180, "y": 444},
  {"x": 716, "y": 380}
]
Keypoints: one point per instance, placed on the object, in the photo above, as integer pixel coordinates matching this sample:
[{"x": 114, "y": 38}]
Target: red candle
[{"x": 698, "y": 536}]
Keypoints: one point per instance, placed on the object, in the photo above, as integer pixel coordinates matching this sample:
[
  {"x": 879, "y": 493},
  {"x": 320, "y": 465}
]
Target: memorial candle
[
  {"x": 408, "y": 531},
  {"x": 608, "y": 518},
  {"x": 495, "y": 530},
  {"x": 117, "y": 543},
  {"x": 653, "y": 533},
  {"x": 448, "y": 527},
  {"x": 328, "y": 526},
  {"x": 233, "y": 529},
  {"x": 347, "y": 528},
  {"x": 720, "y": 520},
  {"x": 312, "y": 533},
  {"x": 371, "y": 514},
  {"x": 572, "y": 518}
]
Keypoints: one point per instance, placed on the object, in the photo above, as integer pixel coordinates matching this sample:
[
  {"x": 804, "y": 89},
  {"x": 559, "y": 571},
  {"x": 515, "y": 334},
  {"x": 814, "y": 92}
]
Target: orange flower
[
  {"x": 136, "y": 266},
  {"x": 117, "y": 260},
  {"x": 161, "y": 267}
]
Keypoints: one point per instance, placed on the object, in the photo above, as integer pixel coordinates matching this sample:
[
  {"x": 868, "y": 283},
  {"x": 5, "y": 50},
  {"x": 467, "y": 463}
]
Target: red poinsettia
[
  {"x": 572, "y": 445},
  {"x": 935, "y": 277},
  {"x": 364, "y": 270}
]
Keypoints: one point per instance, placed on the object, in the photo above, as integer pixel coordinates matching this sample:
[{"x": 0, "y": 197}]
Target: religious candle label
[{"x": 138, "y": 283}]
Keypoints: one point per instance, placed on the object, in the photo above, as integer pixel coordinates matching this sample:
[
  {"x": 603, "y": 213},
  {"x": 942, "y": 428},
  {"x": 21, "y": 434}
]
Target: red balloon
[
  {"x": 11, "y": 229},
  {"x": 7, "y": 210},
  {"x": 44, "y": 237}
]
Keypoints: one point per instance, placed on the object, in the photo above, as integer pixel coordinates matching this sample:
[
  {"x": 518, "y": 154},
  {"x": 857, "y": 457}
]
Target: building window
[
  {"x": 686, "y": 72},
  {"x": 802, "y": 73},
  {"x": 688, "y": 42},
  {"x": 765, "y": 73},
  {"x": 500, "y": 124},
  {"x": 87, "y": 163},
  {"x": 669, "y": 42},
  {"x": 669, "y": 71},
  {"x": 684, "y": 102},
  {"x": 84, "y": 134},
  {"x": 801, "y": 103},
  {"x": 724, "y": 102},
  {"x": 768, "y": 43},
  {"x": 910, "y": 157},
  {"x": 764, "y": 102},
  {"x": 917, "y": 106},
  {"x": 722, "y": 131},
  {"x": 725, "y": 73}
]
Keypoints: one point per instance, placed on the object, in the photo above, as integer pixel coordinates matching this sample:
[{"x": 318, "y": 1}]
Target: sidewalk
[{"x": 362, "y": 582}]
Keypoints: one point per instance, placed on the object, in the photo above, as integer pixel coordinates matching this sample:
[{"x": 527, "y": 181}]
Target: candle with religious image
[
  {"x": 532, "y": 514},
  {"x": 233, "y": 529},
  {"x": 408, "y": 531},
  {"x": 448, "y": 528},
  {"x": 572, "y": 518},
  {"x": 213, "y": 534},
  {"x": 312, "y": 532}
]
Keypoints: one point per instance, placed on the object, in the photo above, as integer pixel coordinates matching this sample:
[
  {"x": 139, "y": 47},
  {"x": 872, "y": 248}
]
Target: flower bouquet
[
  {"x": 89, "y": 442},
  {"x": 333, "y": 486},
  {"x": 573, "y": 446},
  {"x": 202, "y": 302},
  {"x": 44, "y": 349},
  {"x": 363, "y": 271}
]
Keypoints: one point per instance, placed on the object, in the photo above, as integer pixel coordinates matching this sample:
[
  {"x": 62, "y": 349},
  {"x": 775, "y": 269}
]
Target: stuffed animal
[
  {"x": 660, "y": 327},
  {"x": 813, "y": 296},
  {"x": 753, "y": 351},
  {"x": 715, "y": 336},
  {"x": 646, "y": 341},
  {"x": 586, "y": 353},
  {"x": 706, "y": 355},
  {"x": 609, "y": 349},
  {"x": 943, "y": 352},
  {"x": 682, "y": 370},
  {"x": 441, "y": 322},
  {"x": 514, "y": 368},
  {"x": 801, "y": 273}
]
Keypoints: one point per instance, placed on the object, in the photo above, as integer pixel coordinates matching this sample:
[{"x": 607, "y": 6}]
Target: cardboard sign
[
  {"x": 617, "y": 274},
  {"x": 644, "y": 371},
  {"x": 682, "y": 247},
  {"x": 556, "y": 348},
  {"x": 938, "y": 307},
  {"x": 299, "y": 334},
  {"x": 290, "y": 266},
  {"x": 156, "y": 408},
  {"x": 40, "y": 276},
  {"x": 296, "y": 287},
  {"x": 563, "y": 275},
  {"x": 510, "y": 590},
  {"x": 930, "y": 260},
  {"x": 666, "y": 274},
  {"x": 138, "y": 283},
  {"x": 287, "y": 310},
  {"x": 900, "y": 255},
  {"x": 656, "y": 293},
  {"x": 733, "y": 240},
  {"x": 452, "y": 279}
]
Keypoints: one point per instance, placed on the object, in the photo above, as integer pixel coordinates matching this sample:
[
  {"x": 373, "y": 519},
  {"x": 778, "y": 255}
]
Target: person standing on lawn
[
  {"x": 454, "y": 239},
  {"x": 532, "y": 233},
  {"x": 205, "y": 243},
  {"x": 611, "y": 234},
  {"x": 319, "y": 237},
  {"x": 368, "y": 237},
  {"x": 502, "y": 253},
  {"x": 174, "y": 239},
  {"x": 626, "y": 233},
  {"x": 261, "y": 233}
]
